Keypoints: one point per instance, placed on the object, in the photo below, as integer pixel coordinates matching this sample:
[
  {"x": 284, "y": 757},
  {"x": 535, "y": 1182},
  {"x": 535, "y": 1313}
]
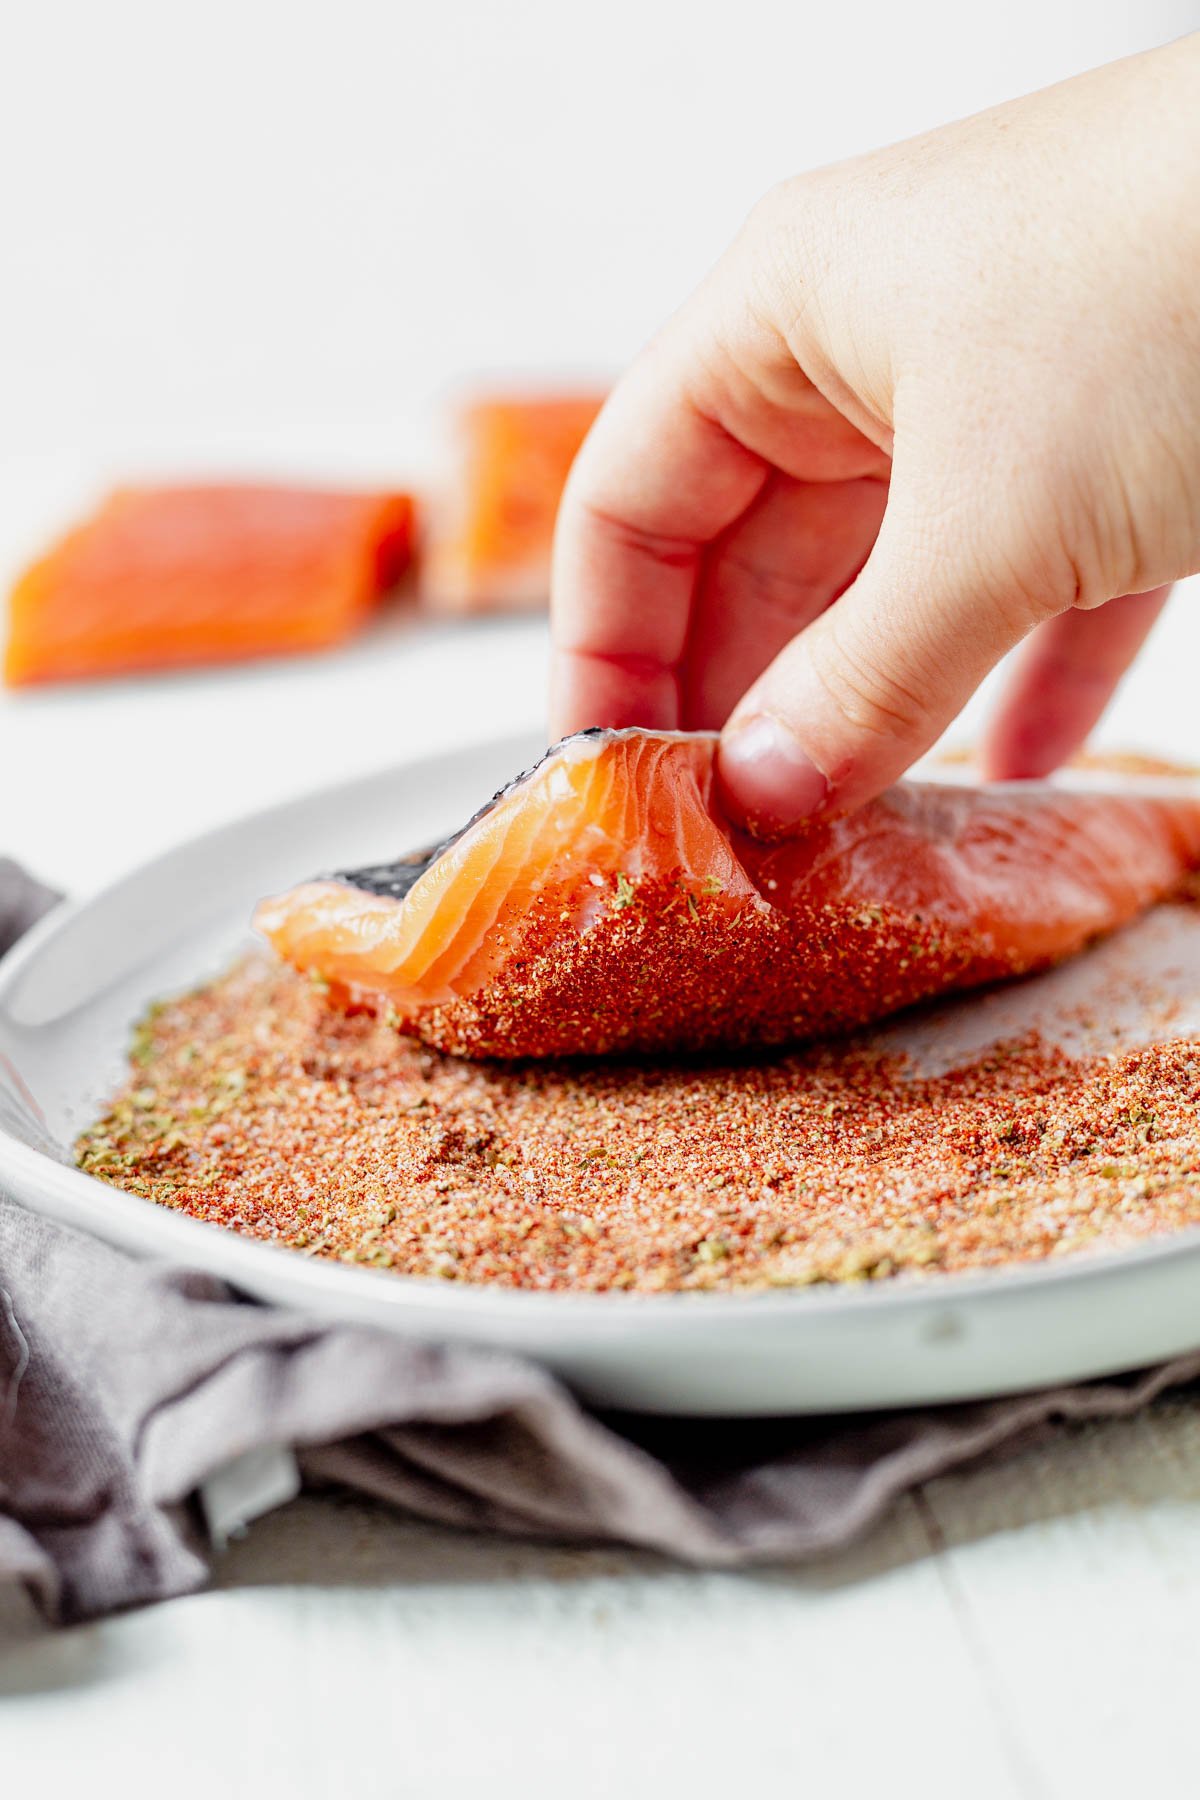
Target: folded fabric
[
  {"x": 125, "y": 1386},
  {"x": 23, "y": 900},
  {"x": 130, "y": 1392}
]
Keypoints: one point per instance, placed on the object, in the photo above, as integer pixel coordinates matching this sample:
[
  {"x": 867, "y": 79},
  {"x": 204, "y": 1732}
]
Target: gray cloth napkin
[
  {"x": 23, "y": 900},
  {"x": 128, "y": 1391}
]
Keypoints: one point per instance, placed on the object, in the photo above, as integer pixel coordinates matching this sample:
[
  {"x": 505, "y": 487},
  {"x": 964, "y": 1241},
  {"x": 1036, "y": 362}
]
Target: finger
[
  {"x": 628, "y": 546},
  {"x": 1065, "y": 676},
  {"x": 681, "y": 450},
  {"x": 773, "y": 572},
  {"x": 852, "y": 701},
  {"x": 657, "y": 481}
]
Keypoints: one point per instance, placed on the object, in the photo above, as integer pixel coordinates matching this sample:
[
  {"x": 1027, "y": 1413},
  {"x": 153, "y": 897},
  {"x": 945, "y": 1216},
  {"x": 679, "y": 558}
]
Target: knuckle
[
  {"x": 635, "y": 541},
  {"x": 770, "y": 592},
  {"x": 778, "y": 242},
  {"x": 1018, "y": 603},
  {"x": 870, "y": 696},
  {"x": 777, "y": 209},
  {"x": 1010, "y": 573}
]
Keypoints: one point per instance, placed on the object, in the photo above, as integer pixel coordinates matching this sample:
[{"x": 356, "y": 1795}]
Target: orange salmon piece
[
  {"x": 167, "y": 577},
  {"x": 490, "y": 538},
  {"x": 603, "y": 902}
]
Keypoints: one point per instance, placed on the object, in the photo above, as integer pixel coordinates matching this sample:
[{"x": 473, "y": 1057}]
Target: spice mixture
[{"x": 256, "y": 1105}]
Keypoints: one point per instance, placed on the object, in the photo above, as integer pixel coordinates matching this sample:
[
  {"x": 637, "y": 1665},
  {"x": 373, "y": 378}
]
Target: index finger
[
  {"x": 655, "y": 482},
  {"x": 682, "y": 448}
]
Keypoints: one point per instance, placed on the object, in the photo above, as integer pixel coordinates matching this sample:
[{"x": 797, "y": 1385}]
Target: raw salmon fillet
[
  {"x": 603, "y": 902},
  {"x": 161, "y": 577},
  {"x": 491, "y": 534}
]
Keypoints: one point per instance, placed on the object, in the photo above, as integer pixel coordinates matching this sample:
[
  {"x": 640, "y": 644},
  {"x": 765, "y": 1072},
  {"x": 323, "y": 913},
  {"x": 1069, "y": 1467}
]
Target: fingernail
[{"x": 769, "y": 776}]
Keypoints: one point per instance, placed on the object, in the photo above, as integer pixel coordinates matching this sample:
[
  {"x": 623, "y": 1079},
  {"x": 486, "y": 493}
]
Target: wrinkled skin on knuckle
[
  {"x": 776, "y": 257},
  {"x": 782, "y": 218},
  {"x": 836, "y": 323},
  {"x": 1147, "y": 529},
  {"x": 870, "y": 694},
  {"x": 1022, "y": 582},
  {"x": 1000, "y": 501},
  {"x": 1022, "y": 570},
  {"x": 1065, "y": 539}
]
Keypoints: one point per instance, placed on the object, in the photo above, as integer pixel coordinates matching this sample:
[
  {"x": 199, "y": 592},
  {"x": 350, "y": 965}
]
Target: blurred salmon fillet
[
  {"x": 166, "y": 577},
  {"x": 492, "y": 530}
]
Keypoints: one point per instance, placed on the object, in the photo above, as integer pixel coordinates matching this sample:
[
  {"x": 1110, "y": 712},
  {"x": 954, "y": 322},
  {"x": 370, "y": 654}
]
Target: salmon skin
[{"x": 603, "y": 902}]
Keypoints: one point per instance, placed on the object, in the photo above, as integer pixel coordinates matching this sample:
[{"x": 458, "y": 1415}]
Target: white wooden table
[{"x": 1025, "y": 1631}]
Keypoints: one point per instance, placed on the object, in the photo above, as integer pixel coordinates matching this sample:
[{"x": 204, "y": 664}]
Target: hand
[{"x": 930, "y": 403}]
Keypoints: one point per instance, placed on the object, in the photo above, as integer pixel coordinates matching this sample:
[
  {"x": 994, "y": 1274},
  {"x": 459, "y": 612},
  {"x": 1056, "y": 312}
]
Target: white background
[
  {"x": 252, "y": 229},
  {"x": 265, "y": 237}
]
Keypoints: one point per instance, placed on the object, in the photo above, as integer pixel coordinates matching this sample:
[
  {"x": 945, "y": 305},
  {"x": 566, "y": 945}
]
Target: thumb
[{"x": 865, "y": 690}]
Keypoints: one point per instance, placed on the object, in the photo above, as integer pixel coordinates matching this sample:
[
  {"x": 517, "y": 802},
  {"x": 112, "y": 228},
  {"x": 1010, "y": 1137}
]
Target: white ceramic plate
[{"x": 70, "y": 991}]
